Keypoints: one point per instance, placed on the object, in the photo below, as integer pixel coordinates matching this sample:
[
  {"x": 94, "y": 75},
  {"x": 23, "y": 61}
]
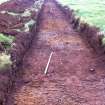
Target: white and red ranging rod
[{"x": 46, "y": 69}]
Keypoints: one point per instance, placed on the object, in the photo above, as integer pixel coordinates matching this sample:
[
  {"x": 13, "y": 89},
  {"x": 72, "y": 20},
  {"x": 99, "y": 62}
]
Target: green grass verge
[{"x": 92, "y": 11}]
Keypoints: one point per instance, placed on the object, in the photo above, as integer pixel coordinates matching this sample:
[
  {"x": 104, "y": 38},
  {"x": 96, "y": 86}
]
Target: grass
[
  {"x": 103, "y": 41},
  {"x": 7, "y": 39},
  {"x": 92, "y": 11},
  {"x": 5, "y": 62}
]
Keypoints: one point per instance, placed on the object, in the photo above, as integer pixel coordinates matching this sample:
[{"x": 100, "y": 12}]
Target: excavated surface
[{"x": 76, "y": 74}]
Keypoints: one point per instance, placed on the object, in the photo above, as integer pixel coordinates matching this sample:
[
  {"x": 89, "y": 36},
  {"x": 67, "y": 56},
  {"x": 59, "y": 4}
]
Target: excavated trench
[{"x": 76, "y": 73}]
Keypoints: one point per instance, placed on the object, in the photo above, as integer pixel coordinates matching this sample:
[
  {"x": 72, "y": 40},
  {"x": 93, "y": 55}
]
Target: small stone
[{"x": 92, "y": 70}]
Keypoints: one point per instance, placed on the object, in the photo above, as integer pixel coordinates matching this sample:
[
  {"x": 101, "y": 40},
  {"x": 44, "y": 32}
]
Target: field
[{"x": 91, "y": 11}]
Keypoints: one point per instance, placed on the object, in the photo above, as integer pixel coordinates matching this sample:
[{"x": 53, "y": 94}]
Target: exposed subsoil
[{"x": 76, "y": 74}]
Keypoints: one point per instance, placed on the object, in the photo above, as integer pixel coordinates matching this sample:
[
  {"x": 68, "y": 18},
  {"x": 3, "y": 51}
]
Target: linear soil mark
[{"x": 76, "y": 74}]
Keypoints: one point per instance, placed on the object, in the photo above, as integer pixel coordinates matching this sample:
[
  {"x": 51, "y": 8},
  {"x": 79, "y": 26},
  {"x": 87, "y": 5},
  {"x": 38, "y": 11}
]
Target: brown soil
[
  {"x": 76, "y": 74},
  {"x": 16, "y": 6},
  {"x": 9, "y": 23}
]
